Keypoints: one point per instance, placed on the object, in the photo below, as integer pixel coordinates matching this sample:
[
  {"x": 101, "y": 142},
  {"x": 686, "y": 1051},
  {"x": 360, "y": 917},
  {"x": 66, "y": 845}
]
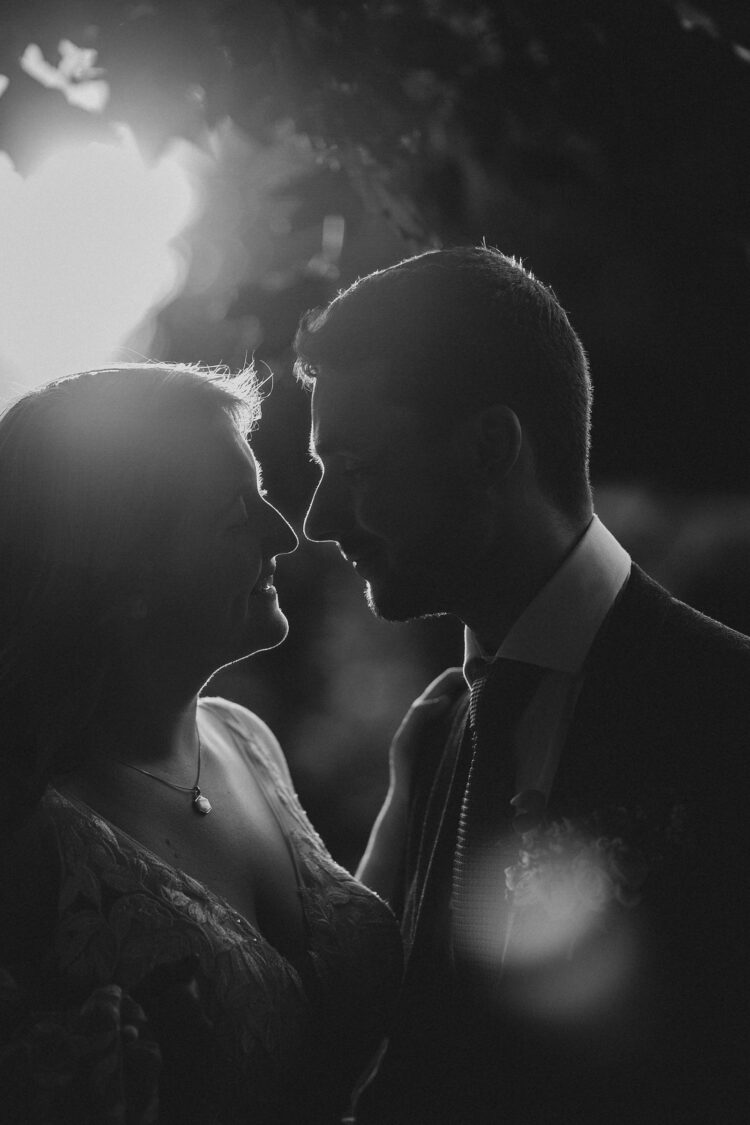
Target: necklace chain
[{"x": 201, "y": 804}]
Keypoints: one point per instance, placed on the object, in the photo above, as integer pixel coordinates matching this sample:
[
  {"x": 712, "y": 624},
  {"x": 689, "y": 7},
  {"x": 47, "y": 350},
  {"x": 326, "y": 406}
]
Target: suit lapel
[{"x": 604, "y": 720}]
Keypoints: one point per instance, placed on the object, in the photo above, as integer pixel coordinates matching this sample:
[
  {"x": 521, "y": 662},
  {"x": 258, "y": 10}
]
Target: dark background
[{"x": 606, "y": 144}]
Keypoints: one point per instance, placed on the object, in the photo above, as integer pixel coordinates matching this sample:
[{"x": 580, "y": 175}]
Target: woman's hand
[
  {"x": 434, "y": 701},
  {"x": 380, "y": 864},
  {"x": 97, "y": 1063}
]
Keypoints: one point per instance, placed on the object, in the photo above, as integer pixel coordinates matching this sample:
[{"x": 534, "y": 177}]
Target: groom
[{"x": 564, "y": 837}]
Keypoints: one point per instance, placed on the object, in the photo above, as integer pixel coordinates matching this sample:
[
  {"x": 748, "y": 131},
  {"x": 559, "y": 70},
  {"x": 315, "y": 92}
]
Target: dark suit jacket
[{"x": 657, "y": 753}]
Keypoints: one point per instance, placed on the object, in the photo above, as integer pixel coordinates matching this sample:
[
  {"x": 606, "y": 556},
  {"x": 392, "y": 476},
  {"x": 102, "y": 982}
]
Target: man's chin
[{"x": 400, "y": 604}]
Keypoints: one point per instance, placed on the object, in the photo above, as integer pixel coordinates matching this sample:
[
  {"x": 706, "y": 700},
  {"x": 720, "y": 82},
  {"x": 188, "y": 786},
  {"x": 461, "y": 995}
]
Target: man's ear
[{"x": 491, "y": 440}]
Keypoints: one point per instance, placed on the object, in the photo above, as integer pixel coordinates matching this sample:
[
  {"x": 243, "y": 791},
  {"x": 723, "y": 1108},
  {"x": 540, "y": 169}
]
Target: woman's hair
[
  {"x": 450, "y": 331},
  {"x": 90, "y": 473}
]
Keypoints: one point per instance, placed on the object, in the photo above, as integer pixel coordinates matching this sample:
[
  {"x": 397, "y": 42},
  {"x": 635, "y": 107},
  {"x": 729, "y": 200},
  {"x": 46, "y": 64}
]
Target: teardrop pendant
[{"x": 201, "y": 804}]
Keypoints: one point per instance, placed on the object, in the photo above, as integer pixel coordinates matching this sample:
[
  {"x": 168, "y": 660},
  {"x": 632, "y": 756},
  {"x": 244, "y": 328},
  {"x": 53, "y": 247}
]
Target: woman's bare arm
[{"x": 380, "y": 863}]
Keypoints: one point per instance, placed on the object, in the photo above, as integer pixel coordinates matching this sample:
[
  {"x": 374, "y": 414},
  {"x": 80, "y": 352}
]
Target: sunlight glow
[{"x": 89, "y": 256}]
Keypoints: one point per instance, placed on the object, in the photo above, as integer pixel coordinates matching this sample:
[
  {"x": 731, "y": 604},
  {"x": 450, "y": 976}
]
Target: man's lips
[{"x": 361, "y": 558}]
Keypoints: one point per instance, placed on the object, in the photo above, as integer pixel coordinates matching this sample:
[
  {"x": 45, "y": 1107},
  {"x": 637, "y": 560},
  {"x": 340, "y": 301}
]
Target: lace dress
[{"x": 234, "y": 1031}]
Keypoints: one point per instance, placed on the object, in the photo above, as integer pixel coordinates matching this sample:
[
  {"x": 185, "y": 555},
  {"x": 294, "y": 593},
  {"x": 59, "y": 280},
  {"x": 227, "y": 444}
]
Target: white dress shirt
[{"x": 555, "y": 632}]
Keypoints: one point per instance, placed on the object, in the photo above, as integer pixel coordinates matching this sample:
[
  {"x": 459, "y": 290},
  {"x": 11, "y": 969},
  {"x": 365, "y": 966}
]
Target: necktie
[{"x": 499, "y": 696}]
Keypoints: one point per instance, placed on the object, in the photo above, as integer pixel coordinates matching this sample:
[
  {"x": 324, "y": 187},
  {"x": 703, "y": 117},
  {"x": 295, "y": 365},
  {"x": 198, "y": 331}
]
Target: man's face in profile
[{"x": 392, "y": 495}]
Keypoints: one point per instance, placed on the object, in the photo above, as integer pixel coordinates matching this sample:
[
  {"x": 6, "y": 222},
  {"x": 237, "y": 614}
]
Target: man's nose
[{"x": 329, "y": 514}]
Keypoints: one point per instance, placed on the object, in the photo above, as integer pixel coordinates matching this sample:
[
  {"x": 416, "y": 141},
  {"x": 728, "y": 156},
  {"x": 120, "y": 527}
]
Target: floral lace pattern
[{"x": 128, "y": 918}]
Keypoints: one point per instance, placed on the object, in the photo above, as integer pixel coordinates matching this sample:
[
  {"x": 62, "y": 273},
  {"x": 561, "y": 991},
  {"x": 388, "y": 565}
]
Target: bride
[{"x": 176, "y": 943}]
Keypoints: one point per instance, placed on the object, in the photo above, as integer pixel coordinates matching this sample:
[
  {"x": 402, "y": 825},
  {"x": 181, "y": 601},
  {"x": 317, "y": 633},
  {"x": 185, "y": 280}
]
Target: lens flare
[
  {"x": 89, "y": 256},
  {"x": 552, "y": 929}
]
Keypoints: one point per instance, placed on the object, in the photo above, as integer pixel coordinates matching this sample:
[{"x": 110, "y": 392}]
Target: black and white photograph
[{"x": 374, "y": 562}]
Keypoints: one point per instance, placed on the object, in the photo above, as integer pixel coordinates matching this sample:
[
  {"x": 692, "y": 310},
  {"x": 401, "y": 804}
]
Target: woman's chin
[
  {"x": 261, "y": 634},
  {"x": 255, "y": 639},
  {"x": 260, "y": 623}
]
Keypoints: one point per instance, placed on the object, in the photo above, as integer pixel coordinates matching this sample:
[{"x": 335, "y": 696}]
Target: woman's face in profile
[{"x": 216, "y": 597}]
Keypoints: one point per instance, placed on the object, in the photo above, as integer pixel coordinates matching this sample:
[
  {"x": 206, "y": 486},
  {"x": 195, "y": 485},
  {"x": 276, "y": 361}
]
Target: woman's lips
[
  {"x": 264, "y": 587},
  {"x": 267, "y": 591}
]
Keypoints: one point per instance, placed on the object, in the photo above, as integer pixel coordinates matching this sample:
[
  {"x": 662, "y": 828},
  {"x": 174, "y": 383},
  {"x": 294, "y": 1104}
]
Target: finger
[
  {"x": 447, "y": 683},
  {"x": 423, "y": 710},
  {"x": 435, "y": 702}
]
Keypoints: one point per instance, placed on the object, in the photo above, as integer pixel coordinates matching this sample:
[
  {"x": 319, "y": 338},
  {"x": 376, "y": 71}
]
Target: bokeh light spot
[
  {"x": 76, "y": 76},
  {"x": 558, "y": 937}
]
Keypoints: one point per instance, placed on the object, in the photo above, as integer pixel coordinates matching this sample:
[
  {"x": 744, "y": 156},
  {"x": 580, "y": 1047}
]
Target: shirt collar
[{"x": 557, "y": 628}]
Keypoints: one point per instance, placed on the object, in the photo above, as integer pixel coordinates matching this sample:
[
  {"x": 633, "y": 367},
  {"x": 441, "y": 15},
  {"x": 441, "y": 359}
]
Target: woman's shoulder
[{"x": 246, "y": 727}]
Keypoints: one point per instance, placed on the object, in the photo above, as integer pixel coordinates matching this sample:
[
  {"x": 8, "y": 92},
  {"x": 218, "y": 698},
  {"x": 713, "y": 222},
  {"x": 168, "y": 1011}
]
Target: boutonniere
[{"x": 566, "y": 882}]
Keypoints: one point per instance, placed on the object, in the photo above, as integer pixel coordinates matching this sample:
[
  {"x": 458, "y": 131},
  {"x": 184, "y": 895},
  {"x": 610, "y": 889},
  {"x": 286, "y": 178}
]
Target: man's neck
[{"x": 511, "y": 580}]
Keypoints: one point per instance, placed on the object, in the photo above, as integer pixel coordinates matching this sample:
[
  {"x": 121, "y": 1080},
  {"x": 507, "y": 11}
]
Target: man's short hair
[{"x": 454, "y": 330}]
